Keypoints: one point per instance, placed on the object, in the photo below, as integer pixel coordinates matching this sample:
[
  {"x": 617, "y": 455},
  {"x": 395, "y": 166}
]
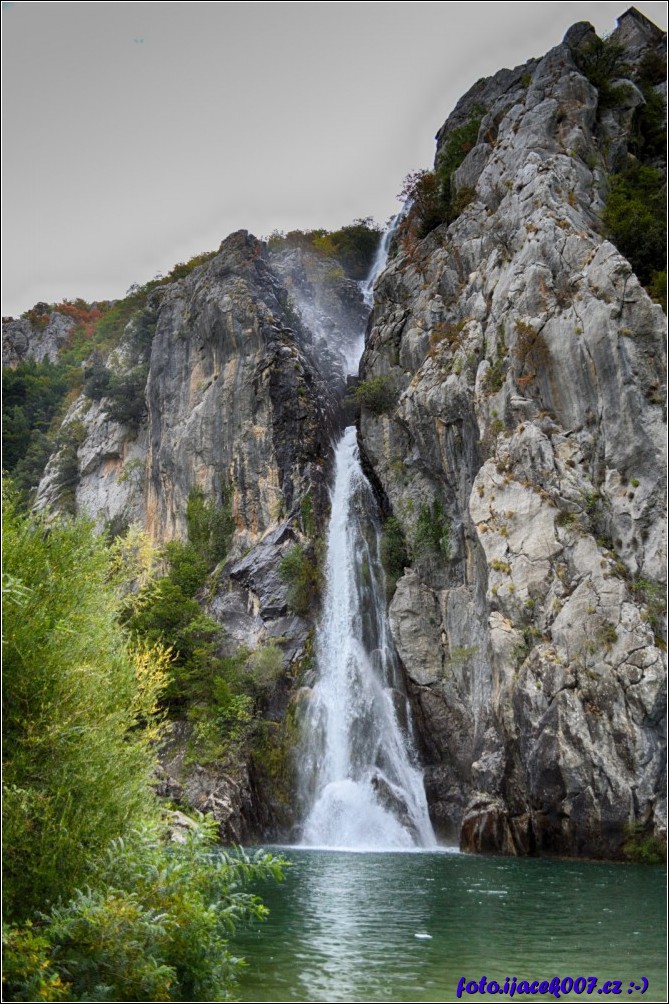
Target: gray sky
[{"x": 138, "y": 134}]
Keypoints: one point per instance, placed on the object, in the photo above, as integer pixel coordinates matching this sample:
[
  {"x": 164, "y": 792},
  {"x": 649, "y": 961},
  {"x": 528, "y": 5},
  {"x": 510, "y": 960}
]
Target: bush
[
  {"x": 650, "y": 125},
  {"x": 211, "y": 525},
  {"x": 163, "y": 614},
  {"x": 635, "y": 219},
  {"x": 166, "y": 612},
  {"x": 80, "y": 704},
  {"x": 66, "y": 465},
  {"x": 152, "y": 927},
  {"x": 99, "y": 905},
  {"x": 32, "y": 395},
  {"x": 378, "y": 395},
  {"x": 657, "y": 288},
  {"x": 125, "y": 394},
  {"x": 432, "y": 536},
  {"x": 393, "y": 551},
  {"x": 354, "y": 246},
  {"x": 431, "y": 194},
  {"x": 428, "y": 210},
  {"x": 302, "y": 574},
  {"x": 642, "y": 846},
  {"x": 602, "y": 61},
  {"x": 459, "y": 141}
]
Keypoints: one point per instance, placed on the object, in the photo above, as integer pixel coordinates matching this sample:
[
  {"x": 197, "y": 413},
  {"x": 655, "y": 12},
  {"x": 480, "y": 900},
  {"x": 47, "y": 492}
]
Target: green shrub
[
  {"x": 79, "y": 702},
  {"x": 66, "y": 465},
  {"x": 432, "y": 536},
  {"x": 226, "y": 719},
  {"x": 496, "y": 375},
  {"x": 96, "y": 377},
  {"x": 264, "y": 666},
  {"x": 33, "y": 394},
  {"x": 354, "y": 246},
  {"x": 657, "y": 288},
  {"x": 635, "y": 219},
  {"x": 653, "y": 597},
  {"x": 166, "y": 612},
  {"x": 221, "y": 727},
  {"x": 378, "y": 394},
  {"x": 452, "y": 152},
  {"x": 394, "y": 555},
  {"x": 643, "y": 847},
  {"x": 431, "y": 194},
  {"x": 152, "y": 927},
  {"x": 210, "y": 524},
  {"x": 307, "y": 515},
  {"x": 300, "y": 570},
  {"x": 28, "y": 970},
  {"x": 125, "y": 396},
  {"x": 428, "y": 209},
  {"x": 602, "y": 61}
]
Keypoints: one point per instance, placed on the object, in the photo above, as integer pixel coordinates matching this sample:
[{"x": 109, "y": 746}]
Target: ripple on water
[{"x": 406, "y": 927}]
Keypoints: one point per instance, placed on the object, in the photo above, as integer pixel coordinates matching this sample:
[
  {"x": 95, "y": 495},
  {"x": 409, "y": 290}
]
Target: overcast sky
[{"x": 138, "y": 134}]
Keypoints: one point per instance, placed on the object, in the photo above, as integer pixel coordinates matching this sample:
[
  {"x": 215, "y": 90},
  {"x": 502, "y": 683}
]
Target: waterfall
[
  {"x": 367, "y": 288},
  {"x": 380, "y": 259},
  {"x": 360, "y": 779}
]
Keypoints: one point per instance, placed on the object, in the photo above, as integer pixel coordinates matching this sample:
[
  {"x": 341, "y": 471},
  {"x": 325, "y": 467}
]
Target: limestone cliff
[
  {"x": 220, "y": 383},
  {"x": 527, "y": 362},
  {"x": 512, "y": 425}
]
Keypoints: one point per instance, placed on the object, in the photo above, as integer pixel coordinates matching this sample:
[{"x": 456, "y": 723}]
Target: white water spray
[
  {"x": 367, "y": 289},
  {"x": 380, "y": 259},
  {"x": 360, "y": 779}
]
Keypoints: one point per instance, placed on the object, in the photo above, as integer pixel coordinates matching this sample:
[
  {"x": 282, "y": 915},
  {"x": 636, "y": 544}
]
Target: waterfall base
[{"x": 349, "y": 816}]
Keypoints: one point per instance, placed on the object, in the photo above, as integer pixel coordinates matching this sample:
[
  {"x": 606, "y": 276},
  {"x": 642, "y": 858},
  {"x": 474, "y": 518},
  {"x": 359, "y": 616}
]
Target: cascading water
[
  {"x": 360, "y": 780},
  {"x": 367, "y": 287},
  {"x": 380, "y": 259}
]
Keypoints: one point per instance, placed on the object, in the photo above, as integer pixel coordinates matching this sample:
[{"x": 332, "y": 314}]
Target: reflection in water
[
  {"x": 349, "y": 913},
  {"x": 407, "y": 926}
]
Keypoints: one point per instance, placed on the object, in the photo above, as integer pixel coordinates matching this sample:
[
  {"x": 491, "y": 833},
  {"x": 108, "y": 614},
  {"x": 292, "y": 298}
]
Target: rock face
[
  {"x": 235, "y": 395},
  {"x": 230, "y": 391},
  {"x": 40, "y": 337},
  {"x": 528, "y": 361},
  {"x": 514, "y": 429}
]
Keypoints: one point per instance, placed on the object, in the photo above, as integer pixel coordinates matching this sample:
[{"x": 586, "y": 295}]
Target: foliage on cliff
[
  {"x": 218, "y": 694},
  {"x": 636, "y": 221},
  {"x": 432, "y": 195},
  {"x": 36, "y": 394},
  {"x": 353, "y": 246},
  {"x": 32, "y": 397}
]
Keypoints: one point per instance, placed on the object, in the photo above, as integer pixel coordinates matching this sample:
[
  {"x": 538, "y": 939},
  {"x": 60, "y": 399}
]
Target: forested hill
[{"x": 509, "y": 406}]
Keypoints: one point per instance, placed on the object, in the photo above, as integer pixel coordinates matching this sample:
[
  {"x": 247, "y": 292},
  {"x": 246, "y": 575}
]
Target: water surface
[{"x": 407, "y": 926}]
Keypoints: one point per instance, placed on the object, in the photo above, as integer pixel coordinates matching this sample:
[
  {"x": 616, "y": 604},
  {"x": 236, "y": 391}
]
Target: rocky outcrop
[
  {"x": 237, "y": 391},
  {"x": 220, "y": 383},
  {"x": 528, "y": 363},
  {"x": 513, "y": 426},
  {"x": 40, "y": 336}
]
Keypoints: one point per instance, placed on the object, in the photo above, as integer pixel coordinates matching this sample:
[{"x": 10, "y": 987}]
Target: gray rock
[
  {"x": 24, "y": 339},
  {"x": 529, "y": 409}
]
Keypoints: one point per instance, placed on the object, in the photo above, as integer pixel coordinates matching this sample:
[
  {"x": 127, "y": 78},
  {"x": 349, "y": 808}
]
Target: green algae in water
[{"x": 407, "y": 927}]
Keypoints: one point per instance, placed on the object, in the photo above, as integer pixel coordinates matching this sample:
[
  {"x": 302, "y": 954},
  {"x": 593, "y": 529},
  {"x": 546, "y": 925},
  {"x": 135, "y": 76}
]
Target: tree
[
  {"x": 79, "y": 713},
  {"x": 100, "y": 904}
]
